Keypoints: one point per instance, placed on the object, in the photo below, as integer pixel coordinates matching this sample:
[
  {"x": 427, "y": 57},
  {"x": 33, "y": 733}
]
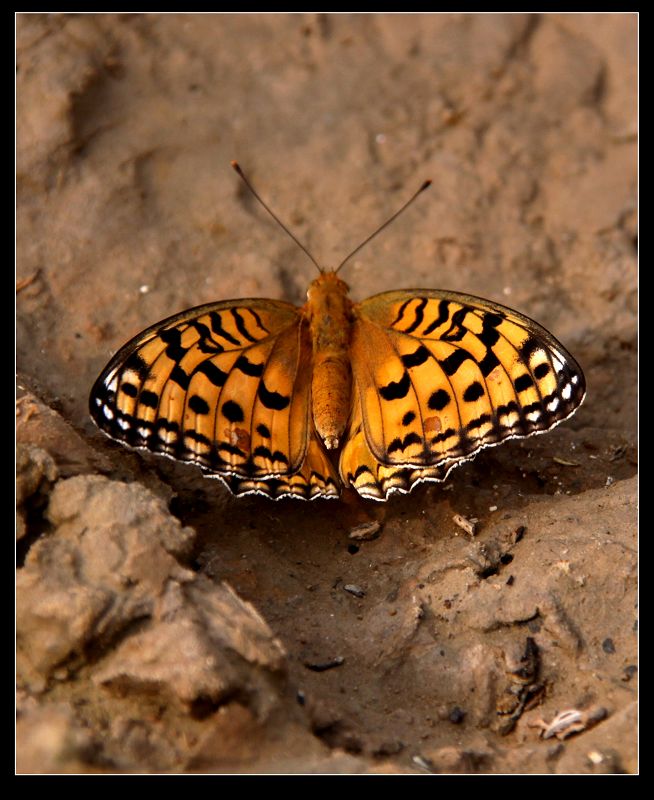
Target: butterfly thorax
[{"x": 328, "y": 311}]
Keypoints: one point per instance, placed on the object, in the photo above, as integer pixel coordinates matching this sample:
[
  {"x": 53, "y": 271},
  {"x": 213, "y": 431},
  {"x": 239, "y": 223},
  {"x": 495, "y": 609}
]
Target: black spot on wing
[
  {"x": 263, "y": 431},
  {"x": 225, "y": 447},
  {"x": 135, "y": 363},
  {"x": 180, "y": 377},
  {"x": 196, "y": 437},
  {"x": 167, "y": 425},
  {"x": 149, "y": 399},
  {"x": 264, "y": 452},
  {"x": 510, "y": 408},
  {"x": 488, "y": 363},
  {"x": 402, "y": 444},
  {"x": 542, "y": 370},
  {"x": 491, "y": 320},
  {"x": 477, "y": 423},
  {"x": 272, "y": 399},
  {"x": 408, "y": 418},
  {"x": 489, "y": 335},
  {"x": 129, "y": 389},
  {"x": 248, "y": 367},
  {"x": 523, "y": 382},
  {"x": 212, "y": 372},
  {"x": 529, "y": 347},
  {"x": 396, "y": 444},
  {"x": 198, "y": 404},
  {"x": 396, "y": 389},
  {"x": 441, "y": 437},
  {"x": 473, "y": 392},
  {"x": 452, "y": 363},
  {"x": 232, "y": 411},
  {"x": 438, "y": 400},
  {"x": 416, "y": 358},
  {"x": 172, "y": 337}
]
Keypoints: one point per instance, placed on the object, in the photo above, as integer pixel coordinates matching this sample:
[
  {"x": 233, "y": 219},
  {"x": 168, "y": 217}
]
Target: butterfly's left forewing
[
  {"x": 440, "y": 375},
  {"x": 225, "y": 386}
]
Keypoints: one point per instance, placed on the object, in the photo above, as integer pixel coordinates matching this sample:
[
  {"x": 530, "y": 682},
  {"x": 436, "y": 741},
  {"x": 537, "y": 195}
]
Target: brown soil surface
[{"x": 164, "y": 626}]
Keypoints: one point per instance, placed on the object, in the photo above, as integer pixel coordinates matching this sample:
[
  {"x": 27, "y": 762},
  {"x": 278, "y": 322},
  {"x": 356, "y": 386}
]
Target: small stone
[{"x": 366, "y": 531}]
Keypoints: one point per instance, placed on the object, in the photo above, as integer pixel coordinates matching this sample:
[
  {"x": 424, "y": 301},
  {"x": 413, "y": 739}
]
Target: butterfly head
[{"x": 326, "y": 284}]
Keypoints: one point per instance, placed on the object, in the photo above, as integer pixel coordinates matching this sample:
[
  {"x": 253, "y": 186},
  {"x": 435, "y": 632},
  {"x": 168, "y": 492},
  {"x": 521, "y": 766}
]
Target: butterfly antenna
[
  {"x": 238, "y": 169},
  {"x": 424, "y": 186}
]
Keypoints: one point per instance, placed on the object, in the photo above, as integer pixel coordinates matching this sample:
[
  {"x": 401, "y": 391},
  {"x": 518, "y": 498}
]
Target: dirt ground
[{"x": 164, "y": 626}]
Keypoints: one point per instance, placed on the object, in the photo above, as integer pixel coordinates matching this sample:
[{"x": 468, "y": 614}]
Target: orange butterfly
[{"x": 403, "y": 386}]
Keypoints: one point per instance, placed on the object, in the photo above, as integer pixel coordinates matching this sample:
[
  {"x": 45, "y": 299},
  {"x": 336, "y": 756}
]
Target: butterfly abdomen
[{"x": 329, "y": 311}]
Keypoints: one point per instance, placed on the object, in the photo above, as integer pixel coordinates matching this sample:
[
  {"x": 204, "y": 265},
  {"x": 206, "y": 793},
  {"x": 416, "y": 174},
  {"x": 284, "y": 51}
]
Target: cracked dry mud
[{"x": 164, "y": 626}]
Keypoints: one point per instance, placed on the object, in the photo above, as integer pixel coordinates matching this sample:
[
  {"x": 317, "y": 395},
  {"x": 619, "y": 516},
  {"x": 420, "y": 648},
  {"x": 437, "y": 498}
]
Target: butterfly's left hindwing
[
  {"x": 225, "y": 386},
  {"x": 440, "y": 375}
]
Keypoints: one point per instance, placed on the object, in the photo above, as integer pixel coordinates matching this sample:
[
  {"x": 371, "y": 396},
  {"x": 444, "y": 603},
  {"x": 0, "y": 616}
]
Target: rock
[
  {"x": 202, "y": 645},
  {"x": 108, "y": 580},
  {"x": 50, "y": 740},
  {"x": 36, "y": 472}
]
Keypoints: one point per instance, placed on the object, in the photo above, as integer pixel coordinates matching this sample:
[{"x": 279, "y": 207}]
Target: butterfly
[{"x": 379, "y": 396}]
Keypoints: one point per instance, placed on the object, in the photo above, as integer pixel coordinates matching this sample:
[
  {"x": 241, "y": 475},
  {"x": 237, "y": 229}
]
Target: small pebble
[
  {"x": 366, "y": 531},
  {"x": 325, "y": 665},
  {"x": 468, "y": 525}
]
